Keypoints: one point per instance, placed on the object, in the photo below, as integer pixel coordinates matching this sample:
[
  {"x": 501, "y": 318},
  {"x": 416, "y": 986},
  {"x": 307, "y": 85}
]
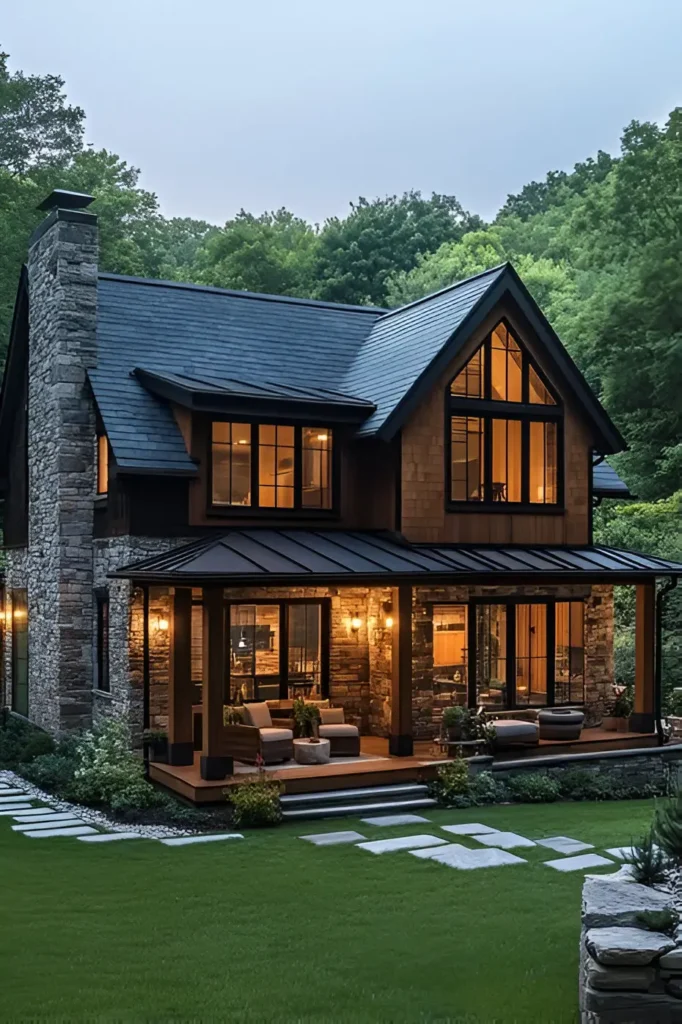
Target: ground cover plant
[{"x": 273, "y": 929}]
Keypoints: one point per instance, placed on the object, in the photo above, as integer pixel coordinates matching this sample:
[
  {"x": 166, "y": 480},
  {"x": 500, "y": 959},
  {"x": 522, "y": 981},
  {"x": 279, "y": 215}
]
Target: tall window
[
  {"x": 497, "y": 458},
  {"x": 102, "y": 464},
  {"x": 20, "y": 652},
  {"x": 271, "y": 466},
  {"x": 569, "y": 657},
  {"x": 531, "y": 654},
  {"x": 102, "y": 665},
  {"x": 450, "y": 651},
  {"x": 491, "y": 655}
]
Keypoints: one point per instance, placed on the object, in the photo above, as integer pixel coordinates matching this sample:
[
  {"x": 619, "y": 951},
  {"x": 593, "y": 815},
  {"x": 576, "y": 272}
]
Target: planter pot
[
  {"x": 622, "y": 725},
  {"x": 159, "y": 752},
  {"x": 610, "y": 723},
  {"x": 454, "y": 732}
]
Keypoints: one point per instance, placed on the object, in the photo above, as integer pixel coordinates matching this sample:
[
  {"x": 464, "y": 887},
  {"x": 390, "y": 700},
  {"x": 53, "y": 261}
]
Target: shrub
[
  {"x": 37, "y": 745},
  {"x": 306, "y": 717},
  {"x": 452, "y": 780},
  {"x": 665, "y": 921},
  {"x": 667, "y": 828},
  {"x": 649, "y": 862},
  {"x": 52, "y": 772},
  {"x": 485, "y": 789},
  {"x": 579, "y": 784},
  {"x": 108, "y": 772},
  {"x": 454, "y": 715},
  {"x": 21, "y": 742},
  {"x": 534, "y": 788},
  {"x": 255, "y": 801}
]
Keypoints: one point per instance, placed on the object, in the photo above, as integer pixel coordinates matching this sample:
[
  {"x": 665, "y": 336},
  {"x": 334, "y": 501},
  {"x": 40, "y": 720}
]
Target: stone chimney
[{"x": 62, "y": 275}]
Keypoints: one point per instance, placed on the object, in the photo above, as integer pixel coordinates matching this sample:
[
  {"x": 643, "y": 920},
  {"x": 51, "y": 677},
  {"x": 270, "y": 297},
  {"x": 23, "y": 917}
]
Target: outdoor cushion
[
  {"x": 514, "y": 730},
  {"x": 328, "y": 731},
  {"x": 331, "y": 716},
  {"x": 259, "y": 715},
  {"x": 272, "y": 734},
  {"x": 561, "y": 716},
  {"x": 319, "y": 703}
]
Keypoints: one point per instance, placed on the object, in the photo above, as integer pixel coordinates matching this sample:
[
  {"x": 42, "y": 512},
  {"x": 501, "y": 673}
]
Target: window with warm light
[
  {"x": 102, "y": 464},
  {"x": 505, "y": 432},
  {"x": 19, "y": 626},
  {"x": 271, "y": 466},
  {"x": 451, "y": 651}
]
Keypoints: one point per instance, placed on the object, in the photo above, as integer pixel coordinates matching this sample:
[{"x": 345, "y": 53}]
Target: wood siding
[{"x": 423, "y": 498}]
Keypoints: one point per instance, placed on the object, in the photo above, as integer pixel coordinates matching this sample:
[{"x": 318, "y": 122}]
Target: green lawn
[{"x": 274, "y": 929}]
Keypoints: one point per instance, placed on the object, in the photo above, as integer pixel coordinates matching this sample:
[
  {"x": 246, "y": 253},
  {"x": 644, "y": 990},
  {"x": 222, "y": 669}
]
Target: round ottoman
[
  {"x": 560, "y": 724},
  {"x": 514, "y": 732}
]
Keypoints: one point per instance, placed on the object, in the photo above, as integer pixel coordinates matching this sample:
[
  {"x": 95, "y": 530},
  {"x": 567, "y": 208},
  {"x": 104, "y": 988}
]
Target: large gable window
[
  {"x": 271, "y": 466},
  {"x": 505, "y": 433}
]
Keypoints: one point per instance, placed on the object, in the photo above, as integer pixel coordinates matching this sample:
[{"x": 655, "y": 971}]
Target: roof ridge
[
  {"x": 236, "y": 293},
  {"x": 442, "y": 291}
]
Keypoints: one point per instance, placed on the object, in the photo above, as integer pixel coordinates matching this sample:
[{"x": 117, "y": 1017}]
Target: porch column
[
  {"x": 180, "y": 740},
  {"x": 400, "y": 739},
  {"x": 642, "y": 719},
  {"x": 214, "y": 763}
]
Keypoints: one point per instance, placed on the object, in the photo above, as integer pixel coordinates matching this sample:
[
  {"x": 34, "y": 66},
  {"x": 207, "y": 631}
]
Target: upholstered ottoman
[
  {"x": 514, "y": 732},
  {"x": 560, "y": 724}
]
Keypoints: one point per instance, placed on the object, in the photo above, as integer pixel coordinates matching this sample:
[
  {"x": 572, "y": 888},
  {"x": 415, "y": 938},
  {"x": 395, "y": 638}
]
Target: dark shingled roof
[
  {"x": 303, "y": 556},
  {"x": 380, "y": 362},
  {"x": 607, "y": 484}
]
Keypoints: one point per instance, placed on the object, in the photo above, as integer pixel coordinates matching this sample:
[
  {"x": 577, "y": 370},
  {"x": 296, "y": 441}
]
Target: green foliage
[
  {"x": 650, "y": 863},
  {"x": 54, "y": 773},
  {"x": 581, "y": 784},
  {"x": 451, "y": 782},
  {"x": 667, "y": 827},
  {"x": 21, "y": 742},
  {"x": 484, "y": 788},
  {"x": 534, "y": 788},
  {"x": 233, "y": 715},
  {"x": 155, "y": 736},
  {"x": 108, "y": 773},
  {"x": 255, "y": 801},
  {"x": 306, "y": 717},
  {"x": 665, "y": 921},
  {"x": 454, "y": 715}
]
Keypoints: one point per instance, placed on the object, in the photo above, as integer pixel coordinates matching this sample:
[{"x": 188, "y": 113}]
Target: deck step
[
  {"x": 341, "y": 810},
  {"x": 385, "y": 793}
]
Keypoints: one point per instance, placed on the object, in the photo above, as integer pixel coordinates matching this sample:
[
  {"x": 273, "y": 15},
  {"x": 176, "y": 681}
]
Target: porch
[{"x": 390, "y": 634}]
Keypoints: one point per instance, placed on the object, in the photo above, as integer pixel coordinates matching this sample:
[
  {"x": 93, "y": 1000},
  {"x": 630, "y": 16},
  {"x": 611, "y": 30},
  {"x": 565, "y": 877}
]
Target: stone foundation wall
[{"x": 658, "y": 767}]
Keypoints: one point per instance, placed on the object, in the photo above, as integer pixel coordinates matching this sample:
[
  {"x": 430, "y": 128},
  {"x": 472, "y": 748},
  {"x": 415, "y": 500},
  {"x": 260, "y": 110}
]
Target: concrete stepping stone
[
  {"x": 470, "y": 829},
  {"x": 562, "y": 844},
  {"x": 14, "y": 792},
  {"x": 48, "y": 833},
  {"x": 34, "y": 826},
  {"x": 109, "y": 837},
  {"x": 15, "y": 807},
  {"x": 187, "y": 840},
  {"x": 44, "y": 815},
  {"x": 621, "y": 852},
  {"x": 403, "y": 843},
  {"x": 461, "y": 857},
  {"x": 504, "y": 840},
  {"x": 333, "y": 838},
  {"x": 586, "y": 860},
  {"x": 395, "y": 819},
  {"x": 16, "y": 798}
]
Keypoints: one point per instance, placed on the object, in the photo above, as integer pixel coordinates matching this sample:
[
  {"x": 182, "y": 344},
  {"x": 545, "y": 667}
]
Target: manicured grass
[{"x": 275, "y": 929}]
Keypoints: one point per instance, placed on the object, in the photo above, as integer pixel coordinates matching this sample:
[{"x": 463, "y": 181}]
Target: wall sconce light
[
  {"x": 388, "y": 614},
  {"x": 161, "y": 623},
  {"x": 19, "y": 613},
  {"x": 355, "y": 622}
]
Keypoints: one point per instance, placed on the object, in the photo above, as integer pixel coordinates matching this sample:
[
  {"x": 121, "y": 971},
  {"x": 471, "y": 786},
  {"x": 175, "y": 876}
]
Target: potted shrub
[
  {"x": 453, "y": 721},
  {"x": 156, "y": 743},
  {"x": 622, "y": 708},
  {"x": 307, "y": 719}
]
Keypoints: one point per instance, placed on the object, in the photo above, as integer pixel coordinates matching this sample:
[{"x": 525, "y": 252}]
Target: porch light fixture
[
  {"x": 355, "y": 622},
  {"x": 388, "y": 614},
  {"x": 161, "y": 623}
]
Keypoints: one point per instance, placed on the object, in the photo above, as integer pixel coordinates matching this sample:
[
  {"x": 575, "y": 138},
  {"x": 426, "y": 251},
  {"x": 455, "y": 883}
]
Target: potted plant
[
  {"x": 307, "y": 719},
  {"x": 622, "y": 708},
  {"x": 156, "y": 744},
  {"x": 453, "y": 721}
]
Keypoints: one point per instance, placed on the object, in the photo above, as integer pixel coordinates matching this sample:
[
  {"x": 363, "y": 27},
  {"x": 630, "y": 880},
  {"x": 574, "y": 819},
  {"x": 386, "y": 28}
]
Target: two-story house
[{"x": 214, "y": 496}]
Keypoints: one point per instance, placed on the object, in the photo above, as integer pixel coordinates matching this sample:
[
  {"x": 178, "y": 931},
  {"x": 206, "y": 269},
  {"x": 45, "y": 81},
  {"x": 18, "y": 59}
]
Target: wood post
[
  {"x": 400, "y": 739},
  {"x": 180, "y": 740},
  {"x": 642, "y": 720},
  {"x": 214, "y": 763}
]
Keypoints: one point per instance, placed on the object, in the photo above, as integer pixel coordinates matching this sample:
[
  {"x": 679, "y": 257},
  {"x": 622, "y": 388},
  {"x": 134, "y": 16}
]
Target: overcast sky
[{"x": 307, "y": 104}]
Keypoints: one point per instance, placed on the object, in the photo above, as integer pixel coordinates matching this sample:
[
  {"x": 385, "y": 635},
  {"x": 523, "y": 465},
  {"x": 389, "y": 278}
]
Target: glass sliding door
[
  {"x": 491, "y": 655},
  {"x": 569, "y": 657},
  {"x": 254, "y": 633},
  {"x": 450, "y": 651},
  {"x": 531, "y": 654},
  {"x": 304, "y": 651}
]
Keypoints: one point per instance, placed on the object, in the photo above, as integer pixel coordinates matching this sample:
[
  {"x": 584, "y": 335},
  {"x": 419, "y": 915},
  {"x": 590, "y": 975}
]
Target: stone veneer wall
[{"x": 428, "y": 705}]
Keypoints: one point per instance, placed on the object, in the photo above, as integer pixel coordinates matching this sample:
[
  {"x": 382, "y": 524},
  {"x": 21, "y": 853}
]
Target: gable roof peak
[{"x": 444, "y": 291}]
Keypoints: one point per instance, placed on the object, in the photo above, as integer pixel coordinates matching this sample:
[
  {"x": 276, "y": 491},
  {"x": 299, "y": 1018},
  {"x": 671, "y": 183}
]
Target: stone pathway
[
  {"x": 334, "y": 838},
  {"x": 465, "y": 859},
  {"x": 404, "y": 843},
  {"x": 473, "y": 829},
  {"x": 49, "y": 833},
  {"x": 585, "y": 860},
  {"x": 503, "y": 840},
  {"x": 562, "y": 844},
  {"x": 396, "y": 819},
  {"x": 189, "y": 840}
]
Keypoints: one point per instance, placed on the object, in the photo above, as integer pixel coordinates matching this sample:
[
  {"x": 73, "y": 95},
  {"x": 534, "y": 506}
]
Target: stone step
[
  {"x": 355, "y": 809},
  {"x": 385, "y": 793}
]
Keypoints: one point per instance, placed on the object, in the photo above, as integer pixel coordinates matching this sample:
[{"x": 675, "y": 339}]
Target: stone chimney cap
[{"x": 66, "y": 200}]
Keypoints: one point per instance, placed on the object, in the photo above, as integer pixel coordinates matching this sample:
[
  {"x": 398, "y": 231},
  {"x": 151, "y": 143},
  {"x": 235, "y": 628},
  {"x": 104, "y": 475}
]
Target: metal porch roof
[{"x": 262, "y": 556}]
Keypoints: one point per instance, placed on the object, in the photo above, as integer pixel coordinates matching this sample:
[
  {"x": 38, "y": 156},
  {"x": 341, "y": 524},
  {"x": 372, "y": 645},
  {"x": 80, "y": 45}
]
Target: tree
[
  {"x": 274, "y": 252},
  {"x": 359, "y": 253},
  {"x": 37, "y": 126}
]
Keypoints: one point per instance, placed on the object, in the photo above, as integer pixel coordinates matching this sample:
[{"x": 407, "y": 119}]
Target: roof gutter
[{"x": 661, "y": 594}]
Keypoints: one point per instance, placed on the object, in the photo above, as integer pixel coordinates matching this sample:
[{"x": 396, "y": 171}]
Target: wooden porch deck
[{"x": 381, "y": 768}]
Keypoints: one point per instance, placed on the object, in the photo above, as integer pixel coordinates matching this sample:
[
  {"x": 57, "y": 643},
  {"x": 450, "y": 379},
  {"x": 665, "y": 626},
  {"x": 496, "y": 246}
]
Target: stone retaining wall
[
  {"x": 627, "y": 973},
  {"x": 660, "y": 767}
]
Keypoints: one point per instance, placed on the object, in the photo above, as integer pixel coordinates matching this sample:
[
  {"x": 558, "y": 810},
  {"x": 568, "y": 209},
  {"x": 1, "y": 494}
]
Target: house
[{"x": 214, "y": 496}]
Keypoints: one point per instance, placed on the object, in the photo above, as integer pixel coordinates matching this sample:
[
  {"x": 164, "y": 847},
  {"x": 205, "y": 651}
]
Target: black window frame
[
  {"x": 257, "y": 511},
  {"x": 510, "y": 603},
  {"x": 102, "y": 636},
  {"x": 488, "y": 409}
]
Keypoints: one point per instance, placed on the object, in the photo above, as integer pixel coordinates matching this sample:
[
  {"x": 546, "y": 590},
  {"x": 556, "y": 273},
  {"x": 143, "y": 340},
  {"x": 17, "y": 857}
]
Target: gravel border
[{"x": 92, "y": 816}]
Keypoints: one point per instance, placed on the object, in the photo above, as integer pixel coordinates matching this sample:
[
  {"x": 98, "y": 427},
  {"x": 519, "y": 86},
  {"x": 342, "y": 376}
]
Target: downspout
[{"x": 669, "y": 585}]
